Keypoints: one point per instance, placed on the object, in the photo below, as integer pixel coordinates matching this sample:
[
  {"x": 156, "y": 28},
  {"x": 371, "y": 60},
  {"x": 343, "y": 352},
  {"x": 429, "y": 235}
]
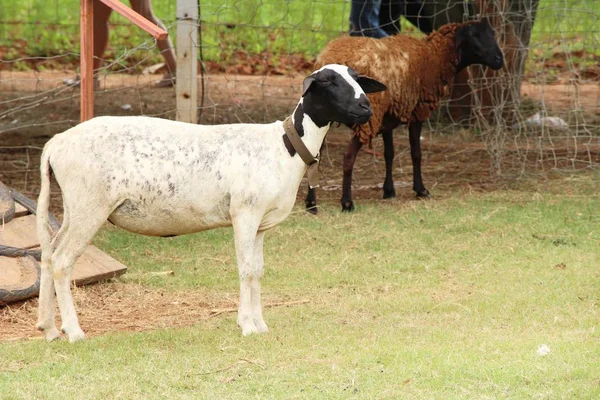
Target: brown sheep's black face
[{"x": 478, "y": 46}]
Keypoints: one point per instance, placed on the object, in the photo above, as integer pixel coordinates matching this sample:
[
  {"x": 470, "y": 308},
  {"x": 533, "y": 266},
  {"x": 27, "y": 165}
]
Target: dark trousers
[{"x": 375, "y": 18}]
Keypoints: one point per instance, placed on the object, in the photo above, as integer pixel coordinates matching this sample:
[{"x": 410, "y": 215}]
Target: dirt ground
[
  {"x": 113, "y": 306},
  {"x": 35, "y": 107}
]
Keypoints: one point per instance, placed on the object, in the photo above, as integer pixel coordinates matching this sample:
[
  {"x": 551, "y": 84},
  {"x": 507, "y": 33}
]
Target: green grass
[
  {"x": 228, "y": 26},
  {"x": 278, "y": 27},
  {"x": 448, "y": 299},
  {"x": 566, "y": 30}
]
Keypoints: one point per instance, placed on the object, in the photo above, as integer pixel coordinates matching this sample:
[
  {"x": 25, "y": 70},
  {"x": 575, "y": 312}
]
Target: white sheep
[{"x": 163, "y": 178}]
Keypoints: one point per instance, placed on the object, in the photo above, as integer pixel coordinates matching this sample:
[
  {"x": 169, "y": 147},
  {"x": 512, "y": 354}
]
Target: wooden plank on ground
[
  {"x": 20, "y": 211},
  {"x": 16, "y": 273},
  {"x": 20, "y": 232},
  {"x": 92, "y": 266},
  {"x": 95, "y": 265},
  {"x": 12, "y": 274}
]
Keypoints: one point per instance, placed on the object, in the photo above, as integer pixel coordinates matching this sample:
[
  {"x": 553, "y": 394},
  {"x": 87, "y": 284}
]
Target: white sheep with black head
[{"x": 164, "y": 178}]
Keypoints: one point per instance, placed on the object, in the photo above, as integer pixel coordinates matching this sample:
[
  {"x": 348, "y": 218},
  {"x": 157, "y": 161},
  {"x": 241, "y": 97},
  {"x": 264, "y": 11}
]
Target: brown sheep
[{"x": 417, "y": 73}]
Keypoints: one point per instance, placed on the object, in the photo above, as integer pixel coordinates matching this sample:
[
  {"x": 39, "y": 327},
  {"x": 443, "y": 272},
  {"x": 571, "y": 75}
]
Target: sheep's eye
[{"x": 324, "y": 82}]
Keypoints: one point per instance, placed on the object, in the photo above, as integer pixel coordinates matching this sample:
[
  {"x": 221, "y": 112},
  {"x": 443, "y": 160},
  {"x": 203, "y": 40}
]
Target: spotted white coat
[{"x": 163, "y": 178}]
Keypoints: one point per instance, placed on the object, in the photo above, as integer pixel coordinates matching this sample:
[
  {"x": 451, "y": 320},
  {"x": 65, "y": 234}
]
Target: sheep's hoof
[
  {"x": 347, "y": 206},
  {"x": 249, "y": 329},
  {"x": 50, "y": 334},
  {"x": 389, "y": 194},
  {"x": 75, "y": 335},
  {"x": 311, "y": 207},
  {"x": 261, "y": 327},
  {"x": 247, "y": 325},
  {"x": 424, "y": 195}
]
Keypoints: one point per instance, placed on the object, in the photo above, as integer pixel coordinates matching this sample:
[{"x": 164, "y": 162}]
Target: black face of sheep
[
  {"x": 336, "y": 93},
  {"x": 478, "y": 46}
]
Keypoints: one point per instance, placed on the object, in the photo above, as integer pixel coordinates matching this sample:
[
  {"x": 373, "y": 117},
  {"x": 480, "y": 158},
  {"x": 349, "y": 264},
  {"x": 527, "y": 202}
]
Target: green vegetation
[
  {"x": 565, "y": 36},
  {"x": 447, "y": 299},
  {"x": 232, "y": 28}
]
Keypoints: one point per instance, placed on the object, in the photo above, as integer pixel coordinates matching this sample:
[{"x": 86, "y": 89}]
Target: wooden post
[
  {"x": 86, "y": 34},
  {"x": 187, "y": 61},
  {"x": 136, "y": 18},
  {"x": 86, "y": 26}
]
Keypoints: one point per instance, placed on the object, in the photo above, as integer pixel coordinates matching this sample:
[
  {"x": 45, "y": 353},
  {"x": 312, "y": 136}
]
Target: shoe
[{"x": 168, "y": 80}]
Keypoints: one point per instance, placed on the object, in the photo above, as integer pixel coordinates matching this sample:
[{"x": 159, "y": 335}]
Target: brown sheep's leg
[
  {"x": 349, "y": 159},
  {"x": 388, "y": 151},
  {"x": 414, "y": 134},
  {"x": 387, "y": 128},
  {"x": 311, "y": 201}
]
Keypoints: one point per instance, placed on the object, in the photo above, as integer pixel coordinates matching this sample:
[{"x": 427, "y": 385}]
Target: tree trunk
[{"x": 488, "y": 96}]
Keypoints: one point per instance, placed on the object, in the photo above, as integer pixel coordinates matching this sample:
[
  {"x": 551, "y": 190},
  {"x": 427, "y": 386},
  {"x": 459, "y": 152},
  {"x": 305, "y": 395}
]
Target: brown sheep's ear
[
  {"x": 370, "y": 85},
  {"x": 487, "y": 21},
  {"x": 308, "y": 81},
  {"x": 461, "y": 35}
]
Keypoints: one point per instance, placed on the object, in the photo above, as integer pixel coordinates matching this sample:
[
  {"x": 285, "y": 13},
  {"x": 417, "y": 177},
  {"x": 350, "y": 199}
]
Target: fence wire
[{"x": 542, "y": 114}]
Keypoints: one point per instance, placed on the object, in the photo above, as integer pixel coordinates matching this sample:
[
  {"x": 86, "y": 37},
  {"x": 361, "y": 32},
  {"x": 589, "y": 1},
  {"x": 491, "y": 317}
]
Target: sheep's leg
[
  {"x": 69, "y": 249},
  {"x": 349, "y": 159},
  {"x": 388, "y": 151},
  {"x": 387, "y": 129},
  {"x": 259, "y": 263},
  {"x": 245, "y": 227},
  {"x": 311, "y": 201},
  {"x": 414, "y": 134},
  {"x": 311, "y": 196},
  {"x": 45, "y": 322}
]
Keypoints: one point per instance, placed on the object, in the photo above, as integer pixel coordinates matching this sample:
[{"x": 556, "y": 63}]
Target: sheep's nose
[{"x": 364, "y": 104}]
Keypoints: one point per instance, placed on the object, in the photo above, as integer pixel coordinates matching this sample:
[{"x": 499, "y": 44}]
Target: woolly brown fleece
[{"x": 417, "y": 72}]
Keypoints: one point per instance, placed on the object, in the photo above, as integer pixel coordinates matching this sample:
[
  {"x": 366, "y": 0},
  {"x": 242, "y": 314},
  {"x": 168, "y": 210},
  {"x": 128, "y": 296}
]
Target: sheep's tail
[{"x": 44, "y": 229}]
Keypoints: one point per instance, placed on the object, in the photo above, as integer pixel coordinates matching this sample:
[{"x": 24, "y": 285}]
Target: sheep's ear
[
  {"x": 486, "y": 21},
  {"x": 306, "y": 84},
  {"x": 466, "y": 32},
  {"x": 370, "y": 85},
  {"x": 460, "y": 36}
]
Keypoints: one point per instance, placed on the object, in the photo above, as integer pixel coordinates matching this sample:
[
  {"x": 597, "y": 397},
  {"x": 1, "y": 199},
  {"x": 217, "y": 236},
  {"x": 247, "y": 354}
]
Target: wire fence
[{"x": 539, "y": 114}]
